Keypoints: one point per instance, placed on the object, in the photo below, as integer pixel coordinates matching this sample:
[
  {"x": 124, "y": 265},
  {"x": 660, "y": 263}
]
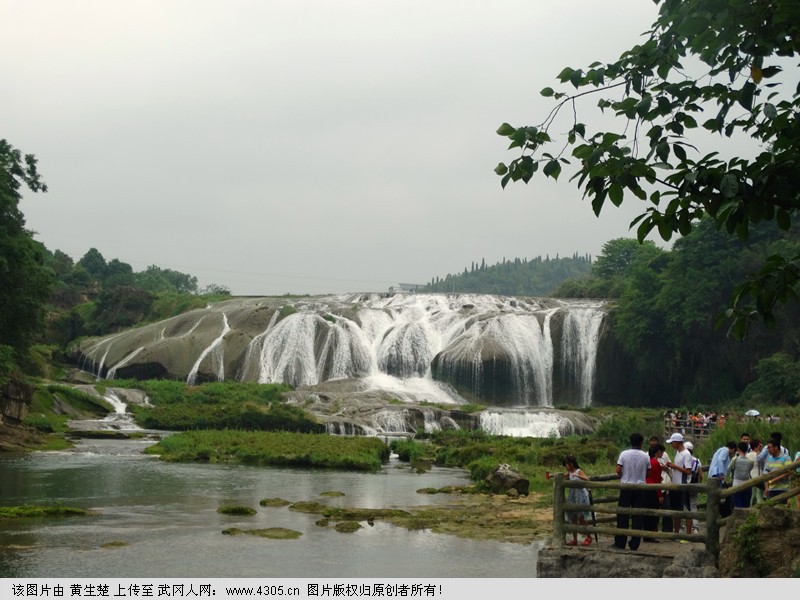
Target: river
[{"x": 157, "y": 519}]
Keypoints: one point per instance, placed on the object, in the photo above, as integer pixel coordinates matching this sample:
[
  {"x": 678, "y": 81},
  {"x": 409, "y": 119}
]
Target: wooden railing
[{"x": 604, "y": 505}]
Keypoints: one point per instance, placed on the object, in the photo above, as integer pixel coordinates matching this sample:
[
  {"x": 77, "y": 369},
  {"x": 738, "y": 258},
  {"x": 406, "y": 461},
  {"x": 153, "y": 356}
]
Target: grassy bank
[
  {"x": 273, "y": 448},
  {"x": 53, "y": 405},
  {"x": 229, "y": 405}
]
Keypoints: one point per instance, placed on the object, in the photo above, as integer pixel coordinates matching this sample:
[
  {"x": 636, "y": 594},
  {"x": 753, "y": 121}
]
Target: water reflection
[{"x": 159, "y": 520}]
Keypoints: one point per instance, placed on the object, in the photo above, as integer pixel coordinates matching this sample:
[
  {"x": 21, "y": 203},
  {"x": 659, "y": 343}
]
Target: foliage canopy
[
  {"x": 24, "y": 281},
  {"x": 715, "y": 66}
]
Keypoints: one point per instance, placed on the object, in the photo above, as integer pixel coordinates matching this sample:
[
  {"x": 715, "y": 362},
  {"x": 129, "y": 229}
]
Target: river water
[{"x": 157, "y": 519}]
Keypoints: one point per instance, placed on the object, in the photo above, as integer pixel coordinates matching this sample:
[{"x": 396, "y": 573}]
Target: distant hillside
[{"x": 519, "y": 277}]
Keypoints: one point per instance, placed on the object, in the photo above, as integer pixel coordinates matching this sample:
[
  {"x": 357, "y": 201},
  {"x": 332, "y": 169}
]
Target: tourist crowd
[{"x": 734, "y": 464}]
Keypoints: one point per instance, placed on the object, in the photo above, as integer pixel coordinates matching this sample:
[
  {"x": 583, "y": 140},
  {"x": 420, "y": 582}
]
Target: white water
[
  {"x": 497, "y": 350},
  {"x": 581, "y": 335},
  {"x": 524, "y": 424},
  {"x": 391, "y": 343},
  {"x": 215, "y": 350},
  {"x": 112, "y": 372},
  {"x": 119, "y": 418}
]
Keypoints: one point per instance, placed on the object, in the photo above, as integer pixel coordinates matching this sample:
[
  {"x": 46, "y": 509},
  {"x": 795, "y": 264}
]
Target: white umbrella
[{"x": 752, "y": 413}]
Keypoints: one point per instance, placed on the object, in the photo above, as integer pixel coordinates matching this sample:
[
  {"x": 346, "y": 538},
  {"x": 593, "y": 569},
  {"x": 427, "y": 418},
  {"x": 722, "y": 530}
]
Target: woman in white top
[
  {"x": 758, "y": 490},
  {"x": 577, "y": 496}
]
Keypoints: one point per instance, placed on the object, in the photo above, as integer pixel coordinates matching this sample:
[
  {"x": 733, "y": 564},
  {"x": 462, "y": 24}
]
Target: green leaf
[
  {"x": 729, "y": 185},
  {"x": 506, "y": 130},
  {"x": 552, "y": 169},
  {"x": 615, "y": 193},
  {"x": 501, "y": 169},
  {"x": 693, "y": 25},
  {"x": 768, "y": 72},
  {"x": 662, "y": 150},
  {"x": 643, "y": 107},
  {"x": 746, "y": 95},
  {"x": 644, "y": 229},
  {"x": 547, "y": 92},
  {"x": 565, "y": 74},
  {"x": 665, "y": 231},
  {"x": 770, "y": 111}
]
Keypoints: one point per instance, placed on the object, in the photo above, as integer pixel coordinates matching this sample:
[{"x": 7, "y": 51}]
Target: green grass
[
  {"x": 219, "y": 405},
  {"x": 29, "y": 511},
  {"x": 273, "y": 448},
  {"x": 43, "y": 415},
  {"x": 479, "y": 453},
  {"x": 237, "y": 510}
]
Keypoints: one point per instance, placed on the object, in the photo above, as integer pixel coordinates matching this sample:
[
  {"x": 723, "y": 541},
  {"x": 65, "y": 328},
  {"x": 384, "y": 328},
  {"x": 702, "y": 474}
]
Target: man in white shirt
[
  {"x": 681, "y": 469},
  {"x": 632, "y": 467}
]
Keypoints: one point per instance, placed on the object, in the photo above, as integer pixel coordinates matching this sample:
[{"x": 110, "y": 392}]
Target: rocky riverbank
[{"x": 18, "y": 438}]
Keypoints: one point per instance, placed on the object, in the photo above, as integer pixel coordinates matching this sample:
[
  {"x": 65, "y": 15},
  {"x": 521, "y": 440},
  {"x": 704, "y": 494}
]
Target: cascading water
[
  {"x": 443, "y": 349},
  {"x": 525, "y": 423},
  {"x": 118, "y": 419},
  {"x": 580, "y": 338},
  {"x": 112, "y": 372},
  {"x": 216, "y": 353}
]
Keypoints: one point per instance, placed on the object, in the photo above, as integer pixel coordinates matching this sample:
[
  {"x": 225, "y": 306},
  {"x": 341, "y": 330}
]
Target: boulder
[
  {"x": 503, "y": 478},
  {"x": 761, "y": 542},
  {"x": 15, "y": 400}
]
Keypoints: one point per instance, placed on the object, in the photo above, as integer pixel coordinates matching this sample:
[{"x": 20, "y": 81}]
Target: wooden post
[
  {"x": 712, "y": 517},
  {"x": 558, "y": 511}
]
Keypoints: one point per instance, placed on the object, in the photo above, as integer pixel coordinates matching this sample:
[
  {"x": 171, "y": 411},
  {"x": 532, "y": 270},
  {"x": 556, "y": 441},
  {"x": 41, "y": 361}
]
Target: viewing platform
[{"x": 679, "y": 554}]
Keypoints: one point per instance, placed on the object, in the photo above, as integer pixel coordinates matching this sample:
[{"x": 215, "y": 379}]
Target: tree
[
  {"x": 706, "y": 65},
  {"x": 94, "y": 263},
  {"x": 215, "y": 289},
  {"x": 618, "y": 256},
  {"x": 24, "y": 279}
]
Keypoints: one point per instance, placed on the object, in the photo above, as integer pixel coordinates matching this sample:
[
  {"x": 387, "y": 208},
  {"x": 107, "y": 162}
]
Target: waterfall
[
  {"x": 581, "y": 334},
  {"x": 119, "y": 418},
  {"x": 443, "y": 349},
  {"x": 112, "y": 372},
  {"x": 215, "y": 350},
  {"x": 288, "y": 353},
  {"x": 392, "y": 421},
  {"x": 251, "y": 367},
  {"x": 525, "y": 424}
]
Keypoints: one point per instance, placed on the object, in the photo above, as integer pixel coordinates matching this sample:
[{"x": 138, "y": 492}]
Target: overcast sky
[{"x": 303, "y": 146}]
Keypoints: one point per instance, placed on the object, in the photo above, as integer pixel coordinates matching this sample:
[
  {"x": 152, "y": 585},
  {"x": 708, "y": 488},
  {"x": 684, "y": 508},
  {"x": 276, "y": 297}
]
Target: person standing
[
  {"x": 666, "y": 477},
  {"x": 632, "y": 467},
  {"x": 720, "y": 461},
  {"x": 681, "y": 470},
  {"x": 653, "y": 499},
  {"x": 757, "y": 470},
  {"x": 776, "y": 460},
  {"x": 695, "y": 476},
  {"x": 740, "y": 469},
  {"x": 745, "y": 437},
  {"x": 577, "y": 496}
]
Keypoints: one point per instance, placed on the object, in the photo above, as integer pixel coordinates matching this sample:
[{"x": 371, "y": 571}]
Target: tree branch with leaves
[{"x": 716, "y": 66}]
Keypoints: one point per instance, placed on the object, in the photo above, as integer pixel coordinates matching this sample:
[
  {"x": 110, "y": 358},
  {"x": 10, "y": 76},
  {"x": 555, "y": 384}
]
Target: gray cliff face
[
  {"x": 496, "y": 350},
  {"x": 15, "y": 400}
]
